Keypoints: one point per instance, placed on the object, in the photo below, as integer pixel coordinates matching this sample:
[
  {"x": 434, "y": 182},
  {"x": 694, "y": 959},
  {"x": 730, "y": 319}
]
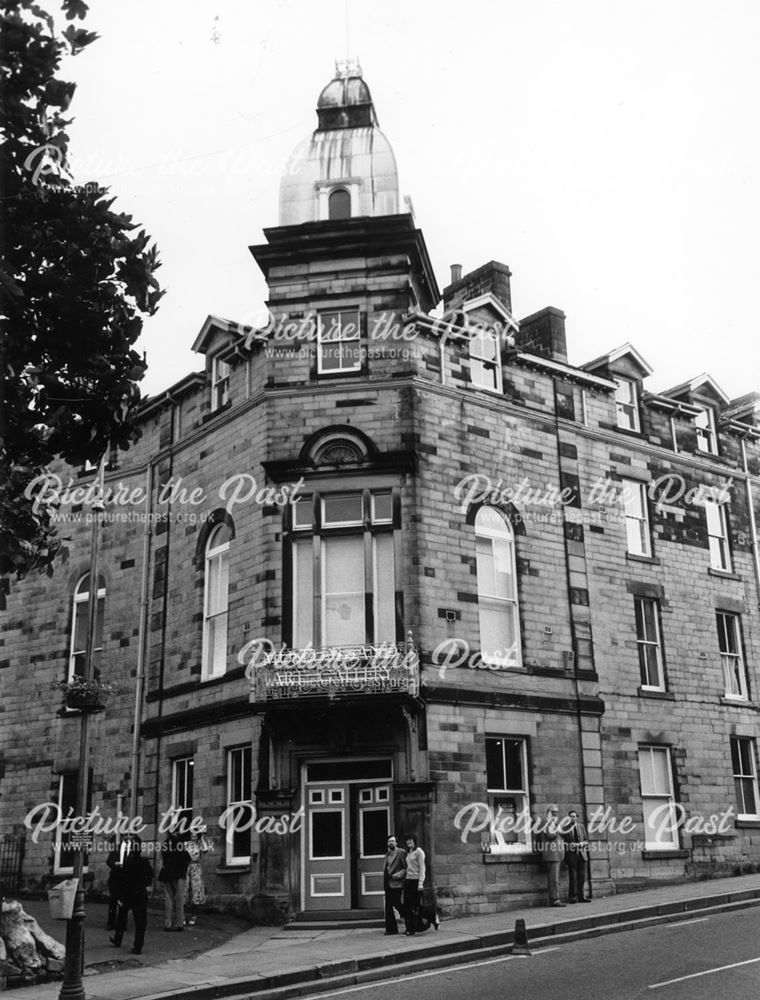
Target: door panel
[
  {"x": 373, "y": 825},
  {"x": 346, "y": 833},
  {"x": 328, "y": 863}
]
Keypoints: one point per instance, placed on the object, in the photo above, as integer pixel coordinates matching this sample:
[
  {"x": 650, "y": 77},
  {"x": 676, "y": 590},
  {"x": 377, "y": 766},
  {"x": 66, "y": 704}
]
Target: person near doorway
[
  {"x": 576, "y": 857},
  {"x": 175, "y": 862},
  {"x": 552, "y": 852},
  {"x": 115, "y": 865},
  {"x": 394, "y": 875},
  {"x": 136, "y": 876},
  {"x": 413, "y": 882},
  {"x": 196, "y": 847}
]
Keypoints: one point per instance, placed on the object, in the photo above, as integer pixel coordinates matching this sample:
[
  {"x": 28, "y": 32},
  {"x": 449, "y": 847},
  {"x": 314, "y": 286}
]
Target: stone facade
[{"x": 415, "y": 425}]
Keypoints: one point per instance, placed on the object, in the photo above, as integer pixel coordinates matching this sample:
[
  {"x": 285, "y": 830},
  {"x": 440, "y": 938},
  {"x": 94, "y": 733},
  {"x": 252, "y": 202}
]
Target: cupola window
[{"x": 339, "y": 204}]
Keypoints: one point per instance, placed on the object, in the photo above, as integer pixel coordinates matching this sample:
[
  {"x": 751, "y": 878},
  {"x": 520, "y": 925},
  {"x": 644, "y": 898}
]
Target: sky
[{"x": 607, "y": 151}]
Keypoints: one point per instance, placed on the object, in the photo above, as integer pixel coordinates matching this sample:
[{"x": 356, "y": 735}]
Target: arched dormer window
[
  {"x": 215, "y": 603},
  {"x": 497, "y": 589},
  {"x": 339, "y": 204},
  {"x": 80, "y": 626}
]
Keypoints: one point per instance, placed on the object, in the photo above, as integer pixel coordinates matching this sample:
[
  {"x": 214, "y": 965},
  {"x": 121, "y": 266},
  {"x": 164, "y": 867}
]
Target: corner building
[{"x": 401, "y": 567}]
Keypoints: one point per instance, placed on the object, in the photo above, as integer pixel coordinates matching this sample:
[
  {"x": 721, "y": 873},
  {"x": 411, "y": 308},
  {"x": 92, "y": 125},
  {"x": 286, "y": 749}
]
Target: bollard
[{"x": 520, "y": 946}]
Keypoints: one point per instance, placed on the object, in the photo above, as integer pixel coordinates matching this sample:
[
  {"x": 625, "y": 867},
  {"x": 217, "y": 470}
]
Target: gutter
[{"x": 142, "y": 635}]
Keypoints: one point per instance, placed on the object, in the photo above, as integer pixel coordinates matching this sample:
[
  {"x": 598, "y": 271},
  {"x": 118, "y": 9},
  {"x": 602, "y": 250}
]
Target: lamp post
[{"x": 72, "y": 988}]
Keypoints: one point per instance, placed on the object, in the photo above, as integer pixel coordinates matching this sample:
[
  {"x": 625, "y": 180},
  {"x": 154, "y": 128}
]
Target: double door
[{"x": 346, "y": 833}]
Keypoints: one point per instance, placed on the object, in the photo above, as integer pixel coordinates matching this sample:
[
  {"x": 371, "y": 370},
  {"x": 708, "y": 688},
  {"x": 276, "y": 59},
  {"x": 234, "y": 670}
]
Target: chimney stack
[{"x": 492, "y": 277}]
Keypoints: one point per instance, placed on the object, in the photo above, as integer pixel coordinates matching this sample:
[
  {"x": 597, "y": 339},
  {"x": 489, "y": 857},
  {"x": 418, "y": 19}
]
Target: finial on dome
[{"x": 345, "y": 68}]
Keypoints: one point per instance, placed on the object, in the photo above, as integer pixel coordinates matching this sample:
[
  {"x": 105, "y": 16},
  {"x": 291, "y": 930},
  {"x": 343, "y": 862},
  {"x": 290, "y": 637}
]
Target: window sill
[
  {"x": 635, "y": 557},
  {"x": 723, "y": 574},
  {"x": 215, "y": 413},
  {"x": 511, "y": 858},
  {"x": 487, "y": 388},
  {"x": 747, "y": 823},
  {"x": 736, "y": 702},
  {"x": 340, "y": 375},
  {"x": 649, "y": 855},
  {"x": 657, "y": 695},
  {"x": 233, "y": 869},
  {"x": 629, "y": 431}
]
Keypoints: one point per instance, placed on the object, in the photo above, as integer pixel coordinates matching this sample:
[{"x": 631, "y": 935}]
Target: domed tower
[{"x": 346, "y": 168}]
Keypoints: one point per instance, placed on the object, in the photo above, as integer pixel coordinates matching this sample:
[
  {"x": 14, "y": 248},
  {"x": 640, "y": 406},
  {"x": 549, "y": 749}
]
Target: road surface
[{"x": 697, "y": 958}]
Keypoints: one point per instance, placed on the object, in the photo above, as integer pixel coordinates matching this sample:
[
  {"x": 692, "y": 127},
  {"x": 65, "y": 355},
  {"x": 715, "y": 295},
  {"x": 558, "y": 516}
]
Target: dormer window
[
  {"x": 220, "y": 383},
  {"x": 339, "y": 204},
  {"x": 339, "y": 339},
  {"x": 485, "y": 361},
  {"x": 707, "y": 440},
  {"x": 627, "y": 404}
]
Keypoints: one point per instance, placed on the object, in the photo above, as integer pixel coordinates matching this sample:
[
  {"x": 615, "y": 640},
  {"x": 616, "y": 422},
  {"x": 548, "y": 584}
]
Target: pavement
[{"x": 218, "y": 958}]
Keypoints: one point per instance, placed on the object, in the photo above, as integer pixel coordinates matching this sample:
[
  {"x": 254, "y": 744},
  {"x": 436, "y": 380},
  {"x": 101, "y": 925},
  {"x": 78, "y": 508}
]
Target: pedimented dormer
[
  {"x": 704, "y": 393},
  {"x": 744, "y": 409},
  {"x": 628, "y": 369},
  {"x": 219, "y": 339}
]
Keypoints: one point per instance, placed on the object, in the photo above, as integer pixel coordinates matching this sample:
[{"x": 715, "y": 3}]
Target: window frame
[
  {"x": 749, "y": 743},
  {"x": 189, "y": 772},
  {"x": 484, "y": 600},
  {"x": 645, "y": 642},
  {"x": 729, "y": 659},
  {"x": 718, "y": 540},
  {"x": 58, "y": 836},
  {"x": 497, "y": 843},
  {"x": 221, "y": 372},
  {"x": 83, "y": 597},
  {"x": 355, "y": 368},
  {"x": 338, "y": 189},
  {"x": 634, "y": 489},
  {"x": 484, "y": 362},
  {"x": 230, "y": 858},
  {"x": 214, "y": 557},
  {"x": 669, "y": 796},
  {"x": 315, "y": 537},
  {"x": 628, "y": 407},
  {"x": 707, "y": 434}
]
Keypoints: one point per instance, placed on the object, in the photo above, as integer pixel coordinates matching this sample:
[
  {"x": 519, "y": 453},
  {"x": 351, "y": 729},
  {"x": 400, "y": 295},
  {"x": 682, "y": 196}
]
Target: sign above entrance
[{"x": 386, "y": 668}]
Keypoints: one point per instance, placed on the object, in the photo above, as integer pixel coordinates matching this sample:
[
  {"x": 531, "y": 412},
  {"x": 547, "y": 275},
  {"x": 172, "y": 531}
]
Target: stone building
[{"x": 392, "y": 563}]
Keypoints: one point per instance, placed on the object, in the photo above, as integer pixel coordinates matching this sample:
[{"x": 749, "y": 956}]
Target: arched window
[
  {"x": 80, "y": 626},
  {"x": 339, "y": 204},
  {"x": 215, "y": 602},
  {"x": 497, "y": 589}
]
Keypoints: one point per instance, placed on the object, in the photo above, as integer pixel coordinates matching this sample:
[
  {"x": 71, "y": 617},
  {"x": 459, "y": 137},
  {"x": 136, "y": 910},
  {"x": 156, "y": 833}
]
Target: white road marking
[
  {"x": 683, "y": 923},
  {"x": 432, "y": 972},
  {"x": 707, "y": 972}
]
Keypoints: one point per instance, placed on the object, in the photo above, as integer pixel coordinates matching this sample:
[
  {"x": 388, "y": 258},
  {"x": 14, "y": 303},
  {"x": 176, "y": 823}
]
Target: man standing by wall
[
  {"x": 394, "y": 873},
  {"x": 552, "y": 851},
  {"x": 576, "y": 855}
]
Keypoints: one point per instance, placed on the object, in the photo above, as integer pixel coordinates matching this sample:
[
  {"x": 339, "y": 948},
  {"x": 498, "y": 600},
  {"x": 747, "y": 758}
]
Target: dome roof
[
  {"x": 344, "y": 91},
  {"x": 346, "y": 153},
  {"x": 346, "y": 101}
]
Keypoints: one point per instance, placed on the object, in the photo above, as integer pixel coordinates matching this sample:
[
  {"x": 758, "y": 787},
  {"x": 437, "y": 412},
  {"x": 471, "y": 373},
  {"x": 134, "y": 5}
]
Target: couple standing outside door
[{"x": 403, "y": 879}]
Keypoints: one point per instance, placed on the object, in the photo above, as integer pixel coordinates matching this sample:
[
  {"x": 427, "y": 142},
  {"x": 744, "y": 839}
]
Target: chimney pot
[{"x": 456, "y": 272}]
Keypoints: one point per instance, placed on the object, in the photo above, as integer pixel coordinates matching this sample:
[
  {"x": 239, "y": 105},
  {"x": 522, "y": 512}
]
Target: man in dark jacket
[
  {"x": 175, "y": 862},
  {"x": 115, "y": 863},
  {"x": 136, "y": 875},
  {"x": 394, "y": 873},
  {"x": 576, "y": 856}
]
